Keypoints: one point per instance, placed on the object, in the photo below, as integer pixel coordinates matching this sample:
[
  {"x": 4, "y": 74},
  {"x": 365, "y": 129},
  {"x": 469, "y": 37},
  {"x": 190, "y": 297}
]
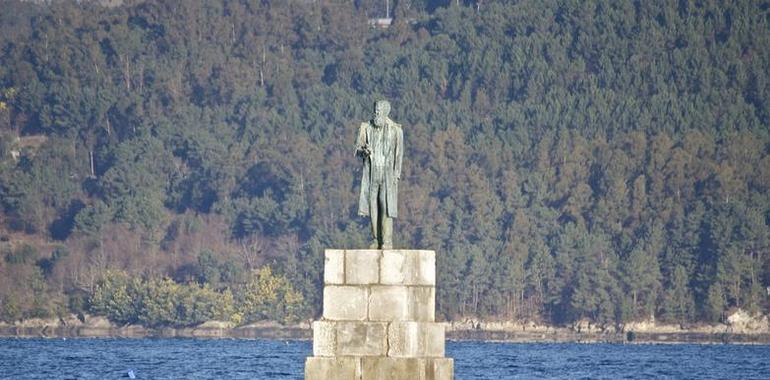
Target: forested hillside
[{"x": 168, "y": 162}]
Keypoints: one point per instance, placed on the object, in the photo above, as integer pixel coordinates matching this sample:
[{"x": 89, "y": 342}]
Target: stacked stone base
[
  {"x": 379, "y": 318},
  {"x": 378, "y": 368}
]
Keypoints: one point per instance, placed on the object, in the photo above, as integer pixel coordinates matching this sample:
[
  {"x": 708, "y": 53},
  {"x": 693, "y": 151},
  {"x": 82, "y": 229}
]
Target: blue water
[{"x": 267, "y": 359}]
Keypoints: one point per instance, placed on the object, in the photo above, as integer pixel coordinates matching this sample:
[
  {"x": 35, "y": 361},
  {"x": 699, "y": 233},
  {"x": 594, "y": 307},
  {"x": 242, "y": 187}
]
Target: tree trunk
[{"x": 91, "y": 162}]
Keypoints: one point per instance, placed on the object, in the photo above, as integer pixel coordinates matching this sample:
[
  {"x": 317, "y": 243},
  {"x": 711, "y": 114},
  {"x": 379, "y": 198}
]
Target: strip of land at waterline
[{"x": 740, "y": 329}]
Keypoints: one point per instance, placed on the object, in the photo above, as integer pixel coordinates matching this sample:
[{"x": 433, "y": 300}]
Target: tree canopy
[{"x": 566, "y": 159}]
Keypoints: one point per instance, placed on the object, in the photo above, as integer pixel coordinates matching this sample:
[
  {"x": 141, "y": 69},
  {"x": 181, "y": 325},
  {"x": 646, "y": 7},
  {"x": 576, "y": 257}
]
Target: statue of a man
[{"x": 380, "y": 144}]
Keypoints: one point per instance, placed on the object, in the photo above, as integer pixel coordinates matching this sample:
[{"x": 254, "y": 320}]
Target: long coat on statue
[{"x": 394, "y": 151}]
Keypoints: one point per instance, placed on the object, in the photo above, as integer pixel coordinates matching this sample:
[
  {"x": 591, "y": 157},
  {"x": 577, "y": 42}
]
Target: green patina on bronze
[{"x": 380, "y": 145}]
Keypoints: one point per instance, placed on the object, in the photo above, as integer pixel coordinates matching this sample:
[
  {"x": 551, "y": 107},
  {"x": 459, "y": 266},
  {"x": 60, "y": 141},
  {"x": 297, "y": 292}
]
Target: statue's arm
[
  {"x": 361, "y": 145},
  {"x": 399, "y": 151}
]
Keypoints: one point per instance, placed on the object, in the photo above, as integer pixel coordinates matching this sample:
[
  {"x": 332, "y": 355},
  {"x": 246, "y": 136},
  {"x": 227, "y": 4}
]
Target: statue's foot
[
  {"x": 387, "y": 245},
  {"x": 374, "y": 245}
]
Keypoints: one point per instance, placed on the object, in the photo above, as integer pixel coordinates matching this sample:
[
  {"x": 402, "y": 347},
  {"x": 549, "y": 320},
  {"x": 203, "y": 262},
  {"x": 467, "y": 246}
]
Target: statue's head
[{"x": 381, "y": 112}]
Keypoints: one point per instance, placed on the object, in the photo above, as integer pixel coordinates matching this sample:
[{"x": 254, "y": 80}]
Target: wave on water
[{"x": 277, "y": 359}]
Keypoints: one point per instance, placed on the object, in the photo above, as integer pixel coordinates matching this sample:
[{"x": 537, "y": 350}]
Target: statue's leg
[
  {"x": 374, "y": 215},
  {"x": 387, "y": 231},
  {"x": 382, "y": 215}
]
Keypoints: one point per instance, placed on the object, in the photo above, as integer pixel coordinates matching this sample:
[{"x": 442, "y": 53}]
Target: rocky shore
[
  {"x": 739, "y": 327},
  {"x": 100, "y": 327}
]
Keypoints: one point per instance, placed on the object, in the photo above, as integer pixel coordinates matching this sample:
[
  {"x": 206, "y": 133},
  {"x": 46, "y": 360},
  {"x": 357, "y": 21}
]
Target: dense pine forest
[{"x": 171, "y": 162}]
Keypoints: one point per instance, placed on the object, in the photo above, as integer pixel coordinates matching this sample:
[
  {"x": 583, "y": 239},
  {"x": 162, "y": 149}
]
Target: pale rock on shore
[
  {"x": 740, "y": 321},
  {"x": 737, "y": 322}
]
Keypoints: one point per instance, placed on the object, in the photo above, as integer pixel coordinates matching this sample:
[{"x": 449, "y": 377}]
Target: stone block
[
  {"x": 440, "y": 369},
  {"x": 345, "y": 303},
  {"x": 422, "y": 303},
  {"x": 389, "y": 303},
  {"x": 362, "y": 267},
  {"x": 362, "y": 338},
  {"x": 425, "y": 273},
  {"x": 339, "y": 368},
  {"x": 334, "y": 267},
  {"x": 324, "y": 338},
  {"x": 384, "y": 368},
  {"x": 416, "y": 339},
  {"x": 408, "y": 267},
  {"x": 392, "y": 267}
]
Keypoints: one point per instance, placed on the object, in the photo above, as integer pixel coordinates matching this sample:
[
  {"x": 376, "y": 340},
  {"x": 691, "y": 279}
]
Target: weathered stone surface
[
  {"x": 402, "y": 340},
  {"x": 402, "y": 303},
  {"x": 378, "y": 368},
  {"x": 440, "y": 369},
  {"x": 334, "y": 267},
  {"x": 423, "y": 268},
  {"x": 362, "y": 338},
  {"x": 339, "y": 368},
  {"x": 389, "y": 303},
  {"x": 345, "y": 303},
  {"x": 416, "y": 339},
  {"x": 384, "y": 368},
  {"x": 324, "y": 338},
  {"x": 422, "y": 303},
  {"x": 341, "y": 338},
  {"x": 408, "y": 267},
  {"x": 392, "y": 268},
  {"x": 362, "y": 267}
]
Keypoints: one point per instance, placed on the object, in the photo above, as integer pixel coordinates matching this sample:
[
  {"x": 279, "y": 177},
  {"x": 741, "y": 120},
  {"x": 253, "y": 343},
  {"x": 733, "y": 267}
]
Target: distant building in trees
[{"x": 382, "y": 22}]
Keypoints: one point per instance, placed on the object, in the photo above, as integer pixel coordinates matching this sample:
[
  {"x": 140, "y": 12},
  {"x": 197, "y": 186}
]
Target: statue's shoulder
[
  {"x": 399, "y": 131},
  {"x": 395, "y": 125},
  {"x": 364, "y": 125}
]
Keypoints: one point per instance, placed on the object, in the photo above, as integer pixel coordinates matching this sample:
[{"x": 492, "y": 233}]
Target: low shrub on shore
[{"x": 164, "y": 302}]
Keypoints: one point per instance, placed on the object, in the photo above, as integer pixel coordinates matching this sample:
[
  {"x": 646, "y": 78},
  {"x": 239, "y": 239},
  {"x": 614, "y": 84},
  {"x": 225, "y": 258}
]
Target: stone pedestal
[{"x": 379, "y": 318}]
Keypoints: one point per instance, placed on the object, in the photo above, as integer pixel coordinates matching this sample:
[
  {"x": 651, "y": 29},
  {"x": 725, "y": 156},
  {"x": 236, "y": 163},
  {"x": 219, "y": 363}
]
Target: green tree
[
  {"x": 269, "y": 297},
  {"x": 157, "y": 302},
  {"x": 114, "y": 296},
  {"x": 641, "y": 274},
  {"x": 678, "y": 303},
  {"x": 196, "y": 304},
  {"x": 716, "y": 303},
  {"x": 541, "y": 271}
]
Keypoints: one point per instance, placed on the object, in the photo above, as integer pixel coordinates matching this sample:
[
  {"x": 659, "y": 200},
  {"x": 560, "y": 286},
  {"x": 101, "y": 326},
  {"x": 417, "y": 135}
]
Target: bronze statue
[{"x": 380, "y": 144}]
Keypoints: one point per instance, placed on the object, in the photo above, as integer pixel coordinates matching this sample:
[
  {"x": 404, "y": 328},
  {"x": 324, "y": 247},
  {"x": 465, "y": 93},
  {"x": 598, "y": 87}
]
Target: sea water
[{"x": 273, "y": 359}]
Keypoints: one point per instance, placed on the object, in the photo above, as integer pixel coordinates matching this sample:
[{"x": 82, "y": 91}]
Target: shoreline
[
  {"x": 612, "y": 338},
  {"x": 98, "y": 327}
]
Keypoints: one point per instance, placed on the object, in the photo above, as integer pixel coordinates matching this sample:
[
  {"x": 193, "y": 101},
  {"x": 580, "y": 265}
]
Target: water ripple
[{"x": 265, "y": 359}]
